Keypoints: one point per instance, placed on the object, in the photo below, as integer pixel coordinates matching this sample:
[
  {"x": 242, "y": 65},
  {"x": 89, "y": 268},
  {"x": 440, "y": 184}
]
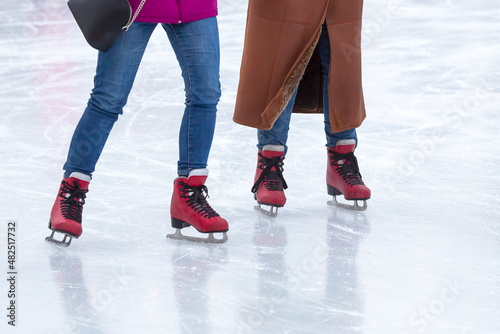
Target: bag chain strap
[{"x": 125, "y": 28}]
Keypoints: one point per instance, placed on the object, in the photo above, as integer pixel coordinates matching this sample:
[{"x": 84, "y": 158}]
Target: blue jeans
[
  {"x": 278, "y": 134},
  {"x": 196, "y": 45}
]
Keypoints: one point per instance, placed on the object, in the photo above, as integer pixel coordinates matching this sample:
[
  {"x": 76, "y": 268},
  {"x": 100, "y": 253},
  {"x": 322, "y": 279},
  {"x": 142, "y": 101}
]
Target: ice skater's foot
[
  {"x": 189, "y": 207},
  {"x": 66, "y": 214},
  {"x": 343, "y": 176},
  {"x": 269, "y": 183}
]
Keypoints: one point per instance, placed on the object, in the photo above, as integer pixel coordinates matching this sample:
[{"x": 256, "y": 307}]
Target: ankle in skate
[
  {"x": 189, "y": 207},
  {"x": 66, "y": 214},
  {"x": 269, "y": 183},
  {"x": 343, "y": 176}
]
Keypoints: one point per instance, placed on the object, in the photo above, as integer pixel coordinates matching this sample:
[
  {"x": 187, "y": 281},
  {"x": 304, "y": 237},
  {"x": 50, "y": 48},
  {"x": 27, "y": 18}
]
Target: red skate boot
[
  {"x": 66, "y": 215},
  {"x": 189, "y": 207},
  {"x": 269, "y": 182},
  {"x": 343, "y": 177}
]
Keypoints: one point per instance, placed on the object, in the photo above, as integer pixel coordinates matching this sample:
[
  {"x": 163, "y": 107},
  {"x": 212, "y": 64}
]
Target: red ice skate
[
  {"x": 343, "y": 177},
  {"x": 66, "y": 215},
  {"x": 269, "y": 182},
  {"x": 189, "y": 207}
]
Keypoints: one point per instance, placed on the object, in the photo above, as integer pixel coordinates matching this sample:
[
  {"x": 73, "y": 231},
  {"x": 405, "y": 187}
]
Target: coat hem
[
  {"x": 349, "y": 127},
  {"x": 261, "y": 126}
]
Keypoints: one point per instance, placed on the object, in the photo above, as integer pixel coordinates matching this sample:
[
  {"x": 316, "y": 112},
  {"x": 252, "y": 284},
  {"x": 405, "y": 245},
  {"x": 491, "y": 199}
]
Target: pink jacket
[{"x": 174, "y": 11}]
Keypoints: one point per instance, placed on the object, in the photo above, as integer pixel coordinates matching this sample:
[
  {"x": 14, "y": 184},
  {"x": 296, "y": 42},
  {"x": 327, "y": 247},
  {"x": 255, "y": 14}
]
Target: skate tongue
[
  {"x": 80, "y": 176},
  {"x": 345, "y": 146},
  {"x": 197, "y": 180},
  {"x": 82, "y": 179},
  {"x": 271, "y": 151},
  {"x": 271, "y": 154},
  {"x": 197, "y": 177}
]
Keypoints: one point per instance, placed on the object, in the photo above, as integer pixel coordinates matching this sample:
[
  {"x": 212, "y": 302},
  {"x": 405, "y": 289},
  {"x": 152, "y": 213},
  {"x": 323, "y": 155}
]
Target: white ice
[{"x": 423, "y": 258}]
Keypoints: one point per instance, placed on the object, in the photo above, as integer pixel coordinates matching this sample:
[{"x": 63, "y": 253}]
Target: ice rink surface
[{"x": 423, "y": 258}]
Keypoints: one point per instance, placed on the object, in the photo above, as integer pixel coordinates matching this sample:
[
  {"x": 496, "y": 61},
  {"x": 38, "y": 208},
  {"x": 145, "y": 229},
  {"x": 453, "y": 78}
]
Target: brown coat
[{"x": 280, "y": 39}]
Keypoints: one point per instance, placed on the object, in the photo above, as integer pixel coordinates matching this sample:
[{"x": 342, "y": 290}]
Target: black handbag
[{"x": 102, "y": 21}]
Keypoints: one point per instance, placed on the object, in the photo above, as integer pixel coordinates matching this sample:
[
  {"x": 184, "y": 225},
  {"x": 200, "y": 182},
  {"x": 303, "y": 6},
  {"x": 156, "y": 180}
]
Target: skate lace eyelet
[
  {"x": 271, "y": 175},
  {"x": 73, "y": 199},
  {"x": 197, "y": 200},
  {"x": 347, "y": 167}
]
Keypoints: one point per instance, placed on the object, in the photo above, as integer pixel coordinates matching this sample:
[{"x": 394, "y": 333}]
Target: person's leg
[
  {"x": 196, "y": 45},
  {"x": 342, "y": 175},
  {"x": 324, "y": 51},
  {"x": 269, "y": 183},
  {"x": 114, "y": 77},
  {"x": 115, "y": 74}
]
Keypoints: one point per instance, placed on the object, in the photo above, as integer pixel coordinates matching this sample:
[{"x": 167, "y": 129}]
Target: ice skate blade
[
  {"x": 61, "y": 243},
  {"x": 209, "y": 240},
  {"x": 272, "y": 212},
  {"x": 354, "y": 206}
]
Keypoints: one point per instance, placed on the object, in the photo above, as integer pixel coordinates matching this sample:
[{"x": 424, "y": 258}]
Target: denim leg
[
  {"x": 278, "y": 134},
  {"x": 324, "y": 51},
  {"x": 115, "y": 74},
  {"x": 196, "y": 45}
]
